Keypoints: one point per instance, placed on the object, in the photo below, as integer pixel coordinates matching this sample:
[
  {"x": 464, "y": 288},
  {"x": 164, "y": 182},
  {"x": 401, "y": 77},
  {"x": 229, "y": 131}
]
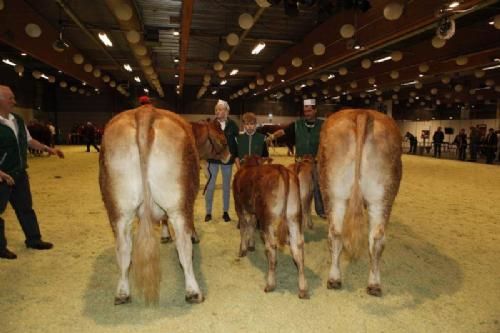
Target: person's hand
[
  {"x": 55, "y": 151},
  {"x": 6, "y": 178},
  {"x": 269, "y": 139}
]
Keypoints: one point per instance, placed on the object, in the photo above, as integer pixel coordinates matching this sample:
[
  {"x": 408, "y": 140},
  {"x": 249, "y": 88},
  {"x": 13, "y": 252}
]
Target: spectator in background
[
  {"x": 491, "y": 143},
  {"x": 413, "y": 142},
  {"x": 52, "y": 130},
  {"x": 437, "y": 140},
  {"x": 475, "y": 141},
  {"x": 89, "y": 133},
  {"x": 461, "y": 142}
]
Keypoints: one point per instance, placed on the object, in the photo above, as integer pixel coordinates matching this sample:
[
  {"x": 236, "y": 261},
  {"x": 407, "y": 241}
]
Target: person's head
[
  {"x": 7, "y": 100},
  {"x": 462, "y": 130},
  {"x": 221, "y": 110},
  {"x": 249, "y": 122},
  {"x": 492, "y": 130},
  {"x": 310, "y": 109},
  {"x": 439, "y": 129}
]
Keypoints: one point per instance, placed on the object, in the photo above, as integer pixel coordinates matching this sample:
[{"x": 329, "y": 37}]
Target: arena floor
[{"x": 440, "y": 269}]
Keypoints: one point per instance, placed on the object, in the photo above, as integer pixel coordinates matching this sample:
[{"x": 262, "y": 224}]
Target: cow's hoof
[
  {"x": 269, "y": 288},
  {"x": 310, "y": 226},
  {"x": 166, "y": 239},
  {"x": 374, "y": 290},
  {"x": 303, "y": 294},
  {"x": 334, "y": 284},
  {"x": 251, "y": 248},
  {"x": 242, "y": 254},
  {"x": 122, "y": 300},
  {"x": 195, "y": 240},
  {"x": 194, "y": 298}
]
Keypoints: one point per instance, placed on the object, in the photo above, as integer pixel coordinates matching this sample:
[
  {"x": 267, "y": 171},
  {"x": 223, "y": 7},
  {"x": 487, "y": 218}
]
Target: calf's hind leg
[
  {"x": 297, "y": 248},
  {"x": 336, "y": 220},
  {"x": 270, "y": 243}
]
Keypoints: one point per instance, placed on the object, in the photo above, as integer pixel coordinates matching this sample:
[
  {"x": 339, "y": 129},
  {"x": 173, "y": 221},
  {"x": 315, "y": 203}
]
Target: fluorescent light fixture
[
  {"x": 331, "y": 76},
  {"x": 270, "y": 115},
  {"x": 454, "y": 4},
  {"x": 176, "y": 59},
  {"x": 370, "y": 90},
  {"x": 310, "y": 68},
  {"x": 491, "y": 67},
  {"x": 234, "y": 72},
  {"x": 378, "y": 61},
  {"x": 96, "y": 90},
  {"x": 8, "y": 62},
  {"x": 302, "y": 85},
  {"x": 137, "y": 79},
  {"x": 146, "y": 90},
  {"x": 105, "y": 39},
  {"x": 176, "y": 75},
  {"x": 357, "y": 47},
  {"x": 420, "y": 75},
  {"x": 214, "y": 92},
  {"x": 223, "y": 82},
  {"x": 375, "y": 85},
  {"x": 491, "y": 22},
  {"x": 417, "y": 97},
  {"x": 127, "y": 67},
  {"x": 24, "y": 54},
  {"x": 44, "y": 76},
  {"x": 259, "y": 47},
  {"x": 84, "y": 83},
  {"x": 175, "y": 33},
  {"x": 409, "y": 83},
  {"x": 282, "y": 80}
]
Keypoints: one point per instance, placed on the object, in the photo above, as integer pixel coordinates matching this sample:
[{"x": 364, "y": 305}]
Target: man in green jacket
[
  {"x": 14, "y": 184},
  {"x": 304, "y": 134}
]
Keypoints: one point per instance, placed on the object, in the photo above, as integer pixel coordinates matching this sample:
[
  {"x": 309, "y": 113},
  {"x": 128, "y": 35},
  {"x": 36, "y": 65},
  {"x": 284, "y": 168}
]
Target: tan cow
[
  {"x": 266, "y": 196},
  {"x": 360, "y": 167},
  {"x": 304, "y": 169},
  {"x": 149, "y": 167}
]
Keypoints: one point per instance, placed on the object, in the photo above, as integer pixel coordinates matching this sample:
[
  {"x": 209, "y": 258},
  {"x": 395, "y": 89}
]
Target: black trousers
[
  {"x": 19, "y": 197},
  {"x": 318, "y": 200},
  {"x": 437, "y": 150}
]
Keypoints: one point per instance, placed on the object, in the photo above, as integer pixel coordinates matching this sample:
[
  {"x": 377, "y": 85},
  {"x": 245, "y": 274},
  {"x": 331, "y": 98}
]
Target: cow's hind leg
[
  {"x": 185, "y": 252},
  {"x": 165, "y": 233},
  {"x": 297, "y": 248},
  {"x": 270, "y": 243},
  {"x": 123, "y": 235},
  {"x": 336, "y": 220},
  {"x": 377, "y": 213}
]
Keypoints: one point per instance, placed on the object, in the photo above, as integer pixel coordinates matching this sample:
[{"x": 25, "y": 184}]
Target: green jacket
[
  {"x": 231, "y": 131},
  {"x": 307, "y": 138},
  {"x": 13, "y": 152},
  {"x": 251, "y": 144}
]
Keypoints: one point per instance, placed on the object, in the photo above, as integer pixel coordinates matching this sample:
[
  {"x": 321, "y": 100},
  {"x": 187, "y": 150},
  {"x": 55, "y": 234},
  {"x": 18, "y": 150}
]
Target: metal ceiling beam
[
  {"x": 13, "y": 19},
  {"x": 187, "y": 17},
  {"x": 373, "y": 31}
]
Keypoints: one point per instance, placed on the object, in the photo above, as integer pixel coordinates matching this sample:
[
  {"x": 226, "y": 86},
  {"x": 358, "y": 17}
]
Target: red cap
[{"x": 144, "y": 100}]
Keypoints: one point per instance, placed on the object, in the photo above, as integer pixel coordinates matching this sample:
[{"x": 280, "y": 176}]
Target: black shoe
[
  {"x": 39, "y": 245},
  {"x": 5, "y": 253},
  {"x": 226, "y": 217},
  {"x": 208, "y": 217}
]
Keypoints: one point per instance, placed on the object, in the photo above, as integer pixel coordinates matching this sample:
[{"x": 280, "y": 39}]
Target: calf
[
  {"x": 360, "y": 167},
  {"x": 266, "y": 195},
  {"x": 304, "y": 169},
  {"x": 149, "y": 167}
]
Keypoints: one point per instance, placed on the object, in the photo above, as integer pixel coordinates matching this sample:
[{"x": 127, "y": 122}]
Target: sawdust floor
[{"x": 440, "y": 270}]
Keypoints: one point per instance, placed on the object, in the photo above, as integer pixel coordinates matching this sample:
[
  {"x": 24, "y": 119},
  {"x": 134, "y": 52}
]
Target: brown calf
[
  {"x": 360, "y": 167},
  {"x": 304, "y": 170},
  {"x": 266, "y": 195}
]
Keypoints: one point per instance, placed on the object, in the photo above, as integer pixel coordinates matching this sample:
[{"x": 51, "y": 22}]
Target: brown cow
[
  {"x": 149, "y": 167},
  {"x": 360, "y": 167},
  {"x": 304, "y": 171},
  {"x": 264, "y": 195}
]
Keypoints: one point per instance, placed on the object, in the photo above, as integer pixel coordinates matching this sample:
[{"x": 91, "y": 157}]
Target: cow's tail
[
  {"x": 352, "y": 231},
  {"x": 146, "y": 249},
  {"x": 283, "y": 225}
]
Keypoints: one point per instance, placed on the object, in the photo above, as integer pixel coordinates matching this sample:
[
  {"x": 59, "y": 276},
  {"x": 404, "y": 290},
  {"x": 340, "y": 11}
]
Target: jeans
[{"x": 227, "y": 171}]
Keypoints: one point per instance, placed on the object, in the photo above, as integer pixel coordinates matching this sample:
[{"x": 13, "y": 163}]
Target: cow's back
[
  {"x": 380, "y": 152},
  {"x": 171, "y": 163}
]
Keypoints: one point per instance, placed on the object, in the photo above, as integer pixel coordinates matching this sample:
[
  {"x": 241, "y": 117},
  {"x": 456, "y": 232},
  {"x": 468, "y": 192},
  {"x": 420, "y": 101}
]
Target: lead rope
[{"x": 209, "y": 178}]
